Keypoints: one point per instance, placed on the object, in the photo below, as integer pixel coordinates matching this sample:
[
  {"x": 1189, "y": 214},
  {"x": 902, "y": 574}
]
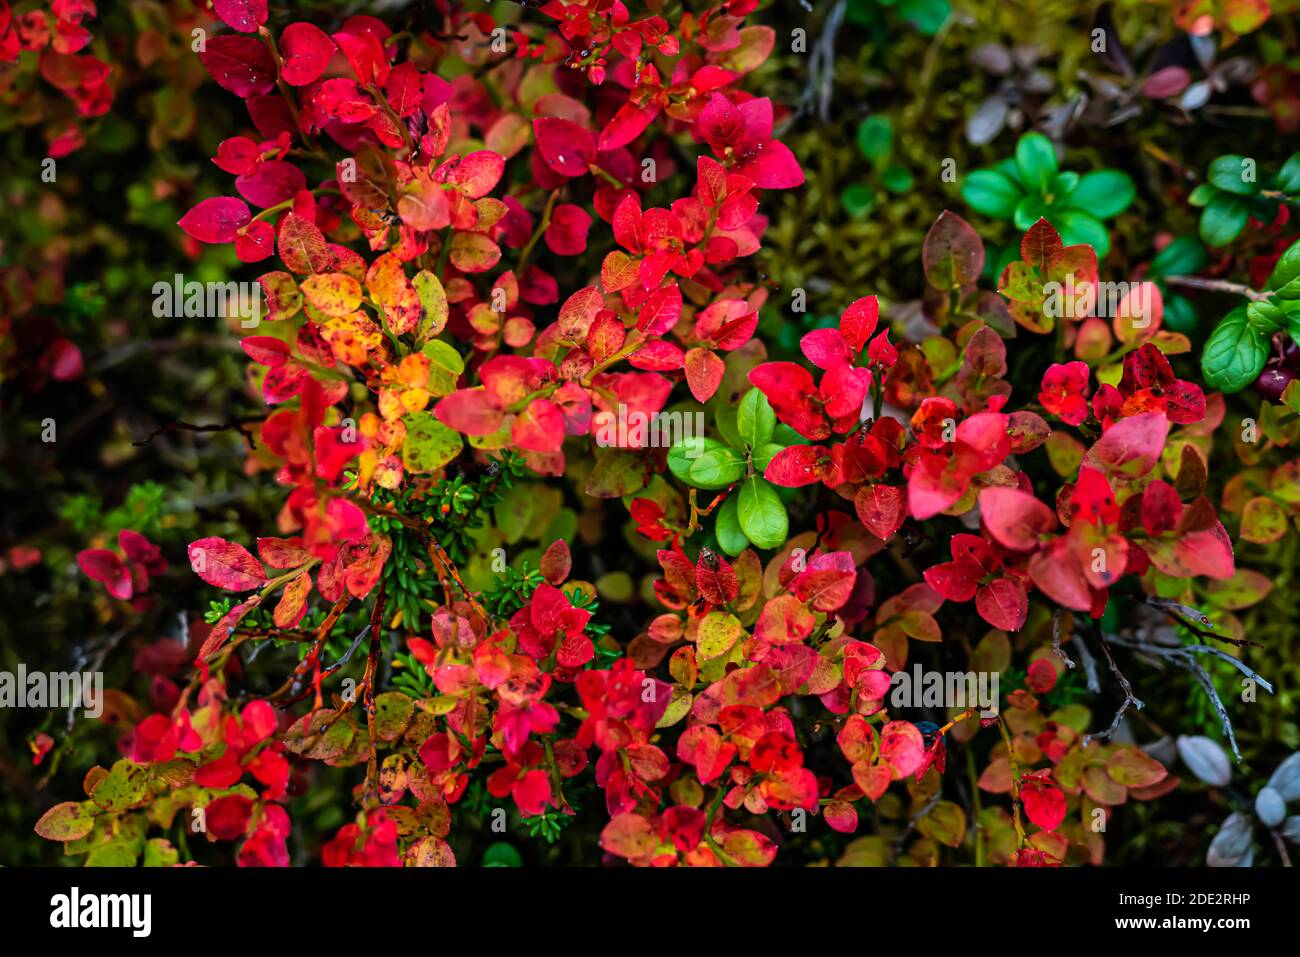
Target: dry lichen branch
[
  {"x": 1130, "y": 699},
  {"x": 1184, "y": 656}
]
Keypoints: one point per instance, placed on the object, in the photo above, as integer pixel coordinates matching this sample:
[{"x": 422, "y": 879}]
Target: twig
[
  {"x": 1204, "y": 628},
  {"x": 1216, "y": 285},
  {"x": 1203, "y": 677},
  {"x": 1056, "y": 639},
  {"x": 1281, "y": 846},
  {"x": 1088, "y": 661},
  {"x": 217, "y": 427},
  {"x": 1184, "y": 657},
  {"x": 914, "y": 821},
  {"x": 1130, "y": 700},
  {"x": 821, "y": 67}
]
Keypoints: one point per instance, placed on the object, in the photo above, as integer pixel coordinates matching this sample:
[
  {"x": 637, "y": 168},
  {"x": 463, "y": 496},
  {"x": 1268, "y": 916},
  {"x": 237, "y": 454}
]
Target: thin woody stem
[
  {"x": 1015, "y": 783},
  {"x": 1217, "y": 285}
]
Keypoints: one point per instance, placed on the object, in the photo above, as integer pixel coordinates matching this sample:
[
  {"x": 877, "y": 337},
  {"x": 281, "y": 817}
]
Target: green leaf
[
  {"x": 1184, "y": 256},
  {"x": 725, "y": 416},
  {"x": 1077, "y": 227},
  {"x": 445, "y": 366},
  {"x": 858, "y": 200},
  {"x": 765, "y": 453},
  {"x": 1288, "y": 177},
  {"x": 1292, "y": 319},
  {"x": 618, "y": 472},
  {"x": 731, "y": 538},
  {"x": 67, "y": 821},
  {"x": 991, "y": 193},
  {"x": 682, "y": 454},
  {"x": 1266, "y": 317},
  {"x": 763, "y": 518},
  {"x": 1103, "y": 193},
  {"x": 876, "y": 138},
  {"x": 126, "y": 785},
  {"x": 706, "y": 463},
  {"x": 784, "y": 435},
  {"x": 1064, "y": 185},
  {"x": 159, "y": 852},
  {"x": 1285, "y": 279},
  {"x": 1180, "y": 314},
  {"x": 1264, "y": 208},
  {"x": 1235, "y": 174},
  {"x": 502, "y": 854},
  {"x": 1036, "y": 161},
  {"x": 1224, "y": 219},
  {"x": 896, "y": 179},
  {"x": 1202, "y": 195},
  {"x": 927, "y": 16},
  {"x": 1234, "y": 354},
  {"x": 755, "y": 419},
  {"x": 1029, "y": 210},
  {"x": 717, "y": 468},
  {"x": 429, "y": 444}
]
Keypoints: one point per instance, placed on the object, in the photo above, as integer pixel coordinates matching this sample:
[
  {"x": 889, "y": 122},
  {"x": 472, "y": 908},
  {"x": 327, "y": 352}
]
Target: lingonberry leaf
[{"x": 225, "y": 564}]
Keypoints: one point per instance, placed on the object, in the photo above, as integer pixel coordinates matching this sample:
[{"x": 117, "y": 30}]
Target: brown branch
[
  {"x": 218, "y": 427},
  {"x": 1217, "y": 285}
]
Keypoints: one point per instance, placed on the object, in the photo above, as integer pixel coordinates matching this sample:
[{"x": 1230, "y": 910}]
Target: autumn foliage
[{"x": 464, "y": 274}]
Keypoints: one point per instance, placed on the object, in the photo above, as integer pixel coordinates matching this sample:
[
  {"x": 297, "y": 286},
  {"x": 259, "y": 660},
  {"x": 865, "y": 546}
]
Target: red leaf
[
  {"x": 881, "y": 508},
  {"x": 282, "y": 552},
  {"x": 471, "y": 411},
  {"x": 826, "y": 348},
  {"x": 242, "y": 15},
  {"x": 797, "y": 465},
  {"x": 1003, "y": 604},
  {"x": 827, "y": 582},
  {"x": 479, "y": 172},
  {"x": 556, "y": 562},
  {"x": 1040, "y": 244},
  {"x": 627, "y": 124},
  {"x": 302, "y": 245},
  {"x": 1015, "y": 519},
  {"x": 271, "y": 184},
  {"x": 1131, "y": 446},
  {"x": 104, "y": 566},
  {"x": 216, "y": 220},
  {"x": 1044, "y": 802},
  {"x": 565, "y": 146},
  {"x": 225, "y": 564},
  {"x": 952, "y": 254},
  {"x": 1161, "y": 508},
  {"x": 790, "y": 390},
  {"x": 539, "y": 428},
  {"x": 955, "y": 581},
  {"x": 720, "y": 124},
  {"x": 704, "y": 372},
  {"x": 265, "y": 350},
  {"x": 661, "y": 310},
  {"x": 658, "y": 355},
  {"x": 902, "y": 747},
  {"x": 241, "y": 65},
  {"x": 716, "y": 578},
  {"x": 1057, "y": 572},
  {"x": 227, "y": 817},
  {"x": 306, "y": 50},
  {"x": 256, "y": 242},
  {"x": 772, "y": 166},
  {"x": 858, "y": 322},
  {"x": 567, "y": 233},
  {"x": 238, "y": 155},
  {"x": 784, "y": 619}
]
